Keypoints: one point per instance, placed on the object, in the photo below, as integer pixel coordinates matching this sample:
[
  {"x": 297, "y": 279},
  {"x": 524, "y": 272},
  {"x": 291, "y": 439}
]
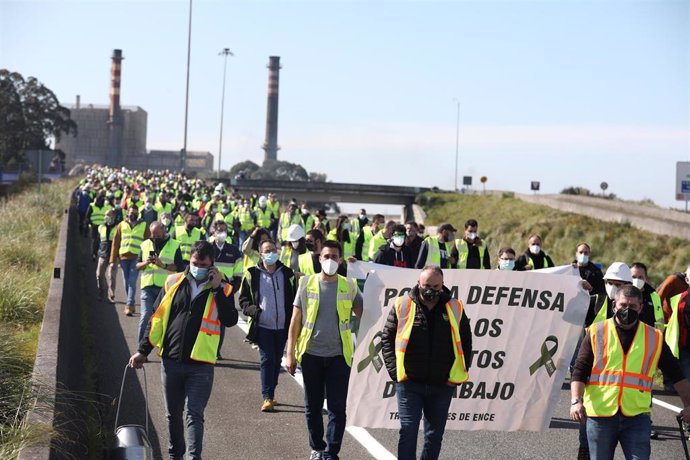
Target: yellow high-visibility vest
[
  {"x": 131, "y": 237},
  {"x": 153, "y": 275},
  {"x": 621, "y": 381},
  {"x": 98, "y": 214},
  {"x": 464, "y": 250},
  {"x": 306, "y": 263},
  {"x": 405, "y": 310},
  {"x": 263, "y": 217},
  {"x": 672, "y": 334},
  {"x": 347, "y": 291},
  {"x": 205, "y": 347},
  {"x": 433, "y": 254},
  {"x": 186, "y": 240}
]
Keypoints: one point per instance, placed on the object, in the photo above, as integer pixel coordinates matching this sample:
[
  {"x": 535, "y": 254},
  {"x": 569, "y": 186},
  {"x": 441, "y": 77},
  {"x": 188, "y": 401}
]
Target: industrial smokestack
[
  {"x": 271, "y": 144},
  {"x": 78, "y": 105},
  {"x": 115, "y": 113}
]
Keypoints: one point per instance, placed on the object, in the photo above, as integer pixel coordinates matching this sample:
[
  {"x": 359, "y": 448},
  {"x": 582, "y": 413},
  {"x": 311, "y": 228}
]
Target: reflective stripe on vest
[
  {"x": 245, "y": 219},
  {"x": 347, "y": 291},
  {"x": 464, "y": 250},
  {"x": 186, "y": 240},
  {"x": 153, "y": 275},
  {"x": 131, "y": 237},
  {"x": 672, "y": 334},
  {"x": 405, "y": 310},
  {"x": 103, "y": 232},
  {"x": 205, "y": 347},
  {"x": 621, "y": 381}
]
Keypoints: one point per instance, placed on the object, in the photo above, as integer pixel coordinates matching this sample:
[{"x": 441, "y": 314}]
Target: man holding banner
[{"x": 427, "y": 347}]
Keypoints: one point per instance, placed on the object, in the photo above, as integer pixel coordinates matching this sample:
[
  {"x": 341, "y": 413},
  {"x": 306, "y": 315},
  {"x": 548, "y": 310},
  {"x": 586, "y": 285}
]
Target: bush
[{"x": 576, "y": 191}]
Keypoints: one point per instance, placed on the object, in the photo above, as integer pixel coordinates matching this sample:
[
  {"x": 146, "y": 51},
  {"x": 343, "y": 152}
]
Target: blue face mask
[
  {"x": 506, "y": 264},
  {"x": 271, "y": 258},
  {"x": 198, "y": 273}
]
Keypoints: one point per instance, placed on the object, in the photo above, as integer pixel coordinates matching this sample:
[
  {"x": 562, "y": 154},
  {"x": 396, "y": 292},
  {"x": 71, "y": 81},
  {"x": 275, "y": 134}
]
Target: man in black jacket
[
  {"x": 395, "y": 253},
  {"x": 431, "y": 367},
  {"x": 266, "y": 295},
  {"x": 189, "y": 312}
]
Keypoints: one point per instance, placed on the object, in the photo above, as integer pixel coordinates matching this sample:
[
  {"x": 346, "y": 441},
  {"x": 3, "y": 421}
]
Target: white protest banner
[
  {"x": 525, "y": 328},
  {"x": 360, "y": 270}
]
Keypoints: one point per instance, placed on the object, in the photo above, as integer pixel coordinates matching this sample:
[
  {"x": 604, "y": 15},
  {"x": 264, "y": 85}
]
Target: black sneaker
[{"x": 654, "y": 435}]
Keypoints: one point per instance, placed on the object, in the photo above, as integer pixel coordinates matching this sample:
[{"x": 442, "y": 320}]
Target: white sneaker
[{"x": 316, "y": 455}]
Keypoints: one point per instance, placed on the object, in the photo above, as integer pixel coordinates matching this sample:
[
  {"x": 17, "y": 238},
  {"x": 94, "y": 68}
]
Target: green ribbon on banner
[
  {"x": 545, "y": 358},
  {"x": 373, "y": 357}
]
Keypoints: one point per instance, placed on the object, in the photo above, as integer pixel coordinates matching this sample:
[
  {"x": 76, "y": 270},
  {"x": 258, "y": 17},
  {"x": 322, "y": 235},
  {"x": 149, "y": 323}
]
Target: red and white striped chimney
[{"x": 115, "y": 85}]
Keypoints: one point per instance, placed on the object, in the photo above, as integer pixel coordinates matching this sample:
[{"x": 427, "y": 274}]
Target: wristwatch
[{"x": 575, "y": 401}]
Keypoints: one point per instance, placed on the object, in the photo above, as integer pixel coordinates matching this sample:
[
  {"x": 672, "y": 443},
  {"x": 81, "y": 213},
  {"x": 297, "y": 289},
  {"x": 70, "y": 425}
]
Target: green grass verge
[
  {"x": 29, "y": 229},
  {"x": 508, "y": 221}
]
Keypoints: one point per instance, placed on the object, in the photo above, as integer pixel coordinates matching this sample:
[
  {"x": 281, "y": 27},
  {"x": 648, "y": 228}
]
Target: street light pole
[
  {"x": 226, "y": 52},
  {"x": 457, "y": 143},
  {"x": 183, "y": 157}
]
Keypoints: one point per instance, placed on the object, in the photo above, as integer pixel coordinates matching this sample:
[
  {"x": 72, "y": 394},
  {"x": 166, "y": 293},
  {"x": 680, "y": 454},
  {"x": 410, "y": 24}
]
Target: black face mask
[
  {"x": 429, "y": 294},
  {"x": 133, "y": 217},
  {"x": 310, "y": 246},
  {"x": 626, "y": 316}
]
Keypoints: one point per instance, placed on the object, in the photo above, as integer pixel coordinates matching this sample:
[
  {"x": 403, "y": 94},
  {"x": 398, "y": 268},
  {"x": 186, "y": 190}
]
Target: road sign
[
  {"x": 466, "y": 180},
  {"x": 604, "y": 185},
  {"x": 483, "y": 179},
  {"x": 534, "y": 185},
  {"x": 683, "y": 180}
]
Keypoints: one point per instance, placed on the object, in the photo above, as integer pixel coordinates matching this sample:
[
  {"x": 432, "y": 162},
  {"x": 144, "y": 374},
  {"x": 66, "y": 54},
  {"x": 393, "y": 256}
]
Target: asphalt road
[{"x": 236, "y": 429}]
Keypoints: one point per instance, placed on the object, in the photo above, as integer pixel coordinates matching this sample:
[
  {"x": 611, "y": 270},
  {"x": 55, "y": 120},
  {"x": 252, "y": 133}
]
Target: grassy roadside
[
  {"x": 29, "y": 230},
  {"x": 508, "y": 221}
]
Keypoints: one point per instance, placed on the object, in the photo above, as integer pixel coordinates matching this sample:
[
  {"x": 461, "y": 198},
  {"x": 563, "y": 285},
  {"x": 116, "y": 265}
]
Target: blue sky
[{"x": 565, "y": 92}]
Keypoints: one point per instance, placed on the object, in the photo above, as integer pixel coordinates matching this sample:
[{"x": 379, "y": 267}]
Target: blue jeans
[
  {"x": 192, "y": 383},
  {"x": 332, "y": 375},
  {"x": 604, "y": 433},
  {"x": 130, "y": 275},
  {"x": 148, "y": 298},
  {"x": 433, "y": 400},
  {"x": 271, "y": 346}
]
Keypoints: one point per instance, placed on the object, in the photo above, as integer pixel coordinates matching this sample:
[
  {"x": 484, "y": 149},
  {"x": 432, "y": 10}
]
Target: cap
[
  {"x": 294, "y": 233},
  {"x": 618, "y": 271},
  {"x": 446, "y": 226}
]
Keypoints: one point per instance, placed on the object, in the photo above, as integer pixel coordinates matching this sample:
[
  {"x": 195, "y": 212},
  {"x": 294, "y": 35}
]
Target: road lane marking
[
  {"x": 666, "y": 405},
  {"x": 361, "y": 435}
]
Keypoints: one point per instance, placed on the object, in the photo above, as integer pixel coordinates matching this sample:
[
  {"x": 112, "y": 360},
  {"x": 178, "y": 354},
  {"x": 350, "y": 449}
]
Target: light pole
[
  {"x": 226, "y": 52},
  {"x": 183, "y": 156},
  {"x": 457, "y": 143}
]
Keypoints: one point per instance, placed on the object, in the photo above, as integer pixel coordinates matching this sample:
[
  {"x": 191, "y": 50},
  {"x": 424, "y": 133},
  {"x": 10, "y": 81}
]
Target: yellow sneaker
[
  {"x": 274, "y": 401},
  {"x": 267, "y": 405}
]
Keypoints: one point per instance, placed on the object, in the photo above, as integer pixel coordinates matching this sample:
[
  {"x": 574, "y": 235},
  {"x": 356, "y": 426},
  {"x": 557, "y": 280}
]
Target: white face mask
[
  {"x": 221, "y": 237},
  {"x": 471, "y": 236},
  {"x": 398, "y": 240},
  {"x": 611, "y": 291},
  {"x": 295, "y": 244},
  {"x": 329, "y": 267},
  {"x": 535, "y": 249},
  {"x": 638, "y": 283},
  {"x": 165, "y": 221}
]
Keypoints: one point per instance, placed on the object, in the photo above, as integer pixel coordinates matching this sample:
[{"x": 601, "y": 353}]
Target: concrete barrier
[
  {"x": 58, "y": 369},
  {"x": 652, "y": 219}
]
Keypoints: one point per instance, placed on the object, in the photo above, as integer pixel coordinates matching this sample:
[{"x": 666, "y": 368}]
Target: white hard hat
[
  {"x": 262, "y": 200},
  {"x": 618, "y": 271},
  {"x": 296, "y": 232}
]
